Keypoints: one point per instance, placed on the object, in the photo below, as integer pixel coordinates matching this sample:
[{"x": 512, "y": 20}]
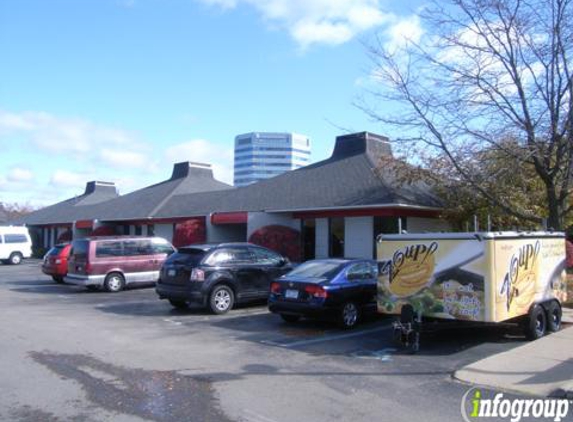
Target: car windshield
[
  {"x": 317, "y": 269},
  {"x": 55, "y": 250},
  {"x": 188, "y": 256}
]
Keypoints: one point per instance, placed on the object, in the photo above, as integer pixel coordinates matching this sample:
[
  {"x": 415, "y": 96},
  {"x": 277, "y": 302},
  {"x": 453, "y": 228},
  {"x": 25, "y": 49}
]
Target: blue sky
[{"x": 119, "y": 90}]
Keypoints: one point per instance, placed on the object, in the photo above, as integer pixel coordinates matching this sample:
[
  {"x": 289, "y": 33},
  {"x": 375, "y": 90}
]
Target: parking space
[{"x": 124, "y": 354}]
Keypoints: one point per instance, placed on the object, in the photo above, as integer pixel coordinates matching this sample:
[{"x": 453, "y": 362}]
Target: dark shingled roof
[
  {"x": 99, "y": 203},
  {"x": 72, "y": 209},
  {"x": 187, "y": 179},
  {"x": 350, "y": 177}
]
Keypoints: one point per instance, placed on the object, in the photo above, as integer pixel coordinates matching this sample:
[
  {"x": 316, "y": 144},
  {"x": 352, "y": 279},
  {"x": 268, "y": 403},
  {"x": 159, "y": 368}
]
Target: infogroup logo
[{"x": 480, "y": 405}]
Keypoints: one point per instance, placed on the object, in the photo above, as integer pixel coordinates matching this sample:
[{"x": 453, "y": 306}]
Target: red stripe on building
[
  {"x": 84, "y": 224},
  {"x": 367, "y": 212},
  {"x": 229, "y": 218}
]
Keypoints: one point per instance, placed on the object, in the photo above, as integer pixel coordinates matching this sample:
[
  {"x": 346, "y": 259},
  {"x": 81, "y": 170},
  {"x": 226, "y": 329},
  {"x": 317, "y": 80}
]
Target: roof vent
[
  {"x": 96, "y": 186},
  {"x": 374, "y": 145},
  {"x": 189, "y": 168}
]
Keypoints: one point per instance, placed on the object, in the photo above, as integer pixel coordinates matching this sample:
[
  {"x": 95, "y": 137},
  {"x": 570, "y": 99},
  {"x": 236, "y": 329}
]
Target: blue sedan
[{"x": 339, "y": 288}]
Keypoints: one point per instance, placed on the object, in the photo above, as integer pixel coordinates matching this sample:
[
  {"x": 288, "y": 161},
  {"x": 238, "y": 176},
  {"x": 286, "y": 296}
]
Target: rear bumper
[
  {"x": 54, "y": 271},
  {"x": 180, "y": 292},
  {"x": 85, "y": 280},
  {"x": 301, "y": 309}
]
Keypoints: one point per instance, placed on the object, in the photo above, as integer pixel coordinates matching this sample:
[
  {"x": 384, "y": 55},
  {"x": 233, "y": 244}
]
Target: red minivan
[
  {"x": 117, "y": 261},
  {"x": 56, "y": 262}
]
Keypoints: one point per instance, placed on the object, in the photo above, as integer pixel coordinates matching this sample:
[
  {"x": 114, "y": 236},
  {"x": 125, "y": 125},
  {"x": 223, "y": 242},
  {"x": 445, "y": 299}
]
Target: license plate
[
  {"x": 171, "y": 273},
  {"x": 291, "y": 294}
]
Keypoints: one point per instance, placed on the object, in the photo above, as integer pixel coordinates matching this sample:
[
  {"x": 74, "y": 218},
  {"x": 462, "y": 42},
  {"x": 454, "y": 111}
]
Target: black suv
[{"x": 219, "y": 275}]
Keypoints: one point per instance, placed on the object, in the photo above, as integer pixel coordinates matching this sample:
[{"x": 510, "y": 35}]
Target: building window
[
  {"x": 308, "y": 239},
  {"x": 150, "y": 230},
  {"x": 336, "y": 237},
  {"x": 126, "y": 229},
  {"x": 138, "y": 231},
  {"x": 387, "y": 225}
]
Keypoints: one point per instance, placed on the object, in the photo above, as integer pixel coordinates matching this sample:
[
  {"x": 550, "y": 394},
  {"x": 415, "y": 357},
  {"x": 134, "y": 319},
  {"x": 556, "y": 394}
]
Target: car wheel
[
  {"x": 15, "y": 258},
  {"x": 536, "y": 323},
  {"x": 348, "y": 315},
  {"x": 290, "y": 318},
  {"x": 114, "y": 282},
  {"x": 179, "y": 304},
  {"x": 58, "y": 279},
  {"x": 221, "y": 299},
  {"x": 554, "y": 314}
]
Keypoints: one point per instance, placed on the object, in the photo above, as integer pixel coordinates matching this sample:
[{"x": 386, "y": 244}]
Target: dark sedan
[
  {"x": 338, "y": 288},
  {"x": 217, "y": 276}
]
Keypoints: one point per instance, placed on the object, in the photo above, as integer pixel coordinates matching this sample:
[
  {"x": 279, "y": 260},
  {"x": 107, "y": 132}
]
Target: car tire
[
  {"x": 15, "y": 258},
  {"x": 553, "y": 314},
  {"x": 178, "y": 304},
  {"x": 58, "y": 279},
  {"x": 114, "y": 282},
  {"x": 349, "y": 315},
  {"x": 221, "y": 299},
  {"x": 536, "y": 323},
  {"x": 290, "y": 318}
]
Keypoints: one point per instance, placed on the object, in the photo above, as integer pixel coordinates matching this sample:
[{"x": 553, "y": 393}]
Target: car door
[
  {"x": 239, "y": 261},
  {"x": 362, "y": 278},
  {"x": 270, "y": 266}
]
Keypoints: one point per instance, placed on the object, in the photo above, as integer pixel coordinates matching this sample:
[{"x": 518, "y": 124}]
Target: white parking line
[
  {"x": 325, "y": 338},
  {"x": 257, "y": 417}
]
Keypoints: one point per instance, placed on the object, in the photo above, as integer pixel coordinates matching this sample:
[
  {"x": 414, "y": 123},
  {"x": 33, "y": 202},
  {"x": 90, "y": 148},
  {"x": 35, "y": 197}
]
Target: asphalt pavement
[{"x": 73, "y": 355}]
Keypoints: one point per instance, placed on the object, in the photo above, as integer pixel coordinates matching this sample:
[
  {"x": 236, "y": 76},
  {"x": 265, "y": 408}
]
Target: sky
[{"x": 120, "y": 90}]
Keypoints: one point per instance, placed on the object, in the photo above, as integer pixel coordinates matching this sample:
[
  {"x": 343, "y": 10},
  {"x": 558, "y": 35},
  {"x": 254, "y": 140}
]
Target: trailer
[{"x": 481, "y": 277}]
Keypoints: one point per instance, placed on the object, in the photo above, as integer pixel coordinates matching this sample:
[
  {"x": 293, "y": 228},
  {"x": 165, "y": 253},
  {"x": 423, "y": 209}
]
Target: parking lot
[{"x": 73, "y": 355}]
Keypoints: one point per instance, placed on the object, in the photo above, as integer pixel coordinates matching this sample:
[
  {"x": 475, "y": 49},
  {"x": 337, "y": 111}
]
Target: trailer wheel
[
  {"x": 536, "y": 323},
  {"x": 553, "y": 316}
]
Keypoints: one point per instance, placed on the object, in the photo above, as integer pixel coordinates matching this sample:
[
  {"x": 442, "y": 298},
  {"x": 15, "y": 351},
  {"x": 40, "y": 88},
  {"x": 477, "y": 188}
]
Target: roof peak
[
  {"x": 186, "y": 169},
  {"x": 98, "y": 186},
  {"x": 375, "y": 146}
]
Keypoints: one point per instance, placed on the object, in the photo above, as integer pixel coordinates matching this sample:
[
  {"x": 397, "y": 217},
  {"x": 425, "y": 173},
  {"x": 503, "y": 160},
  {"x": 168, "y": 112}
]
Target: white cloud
[
  {"x": 68, "y": 179},
  {"x": 309, "y": 22},
  {"x": 77, "y": 138},
  {"x": 202, "y": 151},
  {"x": 19, "y": 175},
  {"x": 122, "y": 159},
  {"x": 404, "y": 31}
]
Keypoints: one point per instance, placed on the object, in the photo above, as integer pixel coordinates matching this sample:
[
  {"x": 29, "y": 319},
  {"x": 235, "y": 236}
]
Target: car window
[
  {"x": 228, "y": 256},
  {"x": 266, "y": 257},
  {"x": 317, "y": 269},
  {"x": 361, "y": 271},
  {"x": 80, "y": 249},
  {"x": 55, "y": 250},
  {"x": 15, "y": 238},
  {"x": 137, "y": 247},
  {"x": 187, "y": 256},
  {"x": 109, "y": 249},
  {"x": 160, "y": 247}
]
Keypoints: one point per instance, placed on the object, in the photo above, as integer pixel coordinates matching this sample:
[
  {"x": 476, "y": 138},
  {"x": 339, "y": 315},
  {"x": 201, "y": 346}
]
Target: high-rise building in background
[{"x": 260, "y": 155}]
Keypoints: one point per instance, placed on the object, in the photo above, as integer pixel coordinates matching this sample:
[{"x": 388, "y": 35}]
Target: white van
[{"x": 15, "y": 244}]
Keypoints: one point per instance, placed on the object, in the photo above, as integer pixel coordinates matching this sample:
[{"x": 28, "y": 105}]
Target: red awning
[
  {"x": 84, "y": 224},
  {"x": 229, "y": 218}
]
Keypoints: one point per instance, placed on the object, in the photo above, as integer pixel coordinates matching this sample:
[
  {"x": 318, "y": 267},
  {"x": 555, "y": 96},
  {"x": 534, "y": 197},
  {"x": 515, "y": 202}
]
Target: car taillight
[
  {"x": 275, "y": 287},
  {"x": 88, "y": 268},
  {"x": 316, "y": 291},
  {"x": 197, "y": 275}
]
